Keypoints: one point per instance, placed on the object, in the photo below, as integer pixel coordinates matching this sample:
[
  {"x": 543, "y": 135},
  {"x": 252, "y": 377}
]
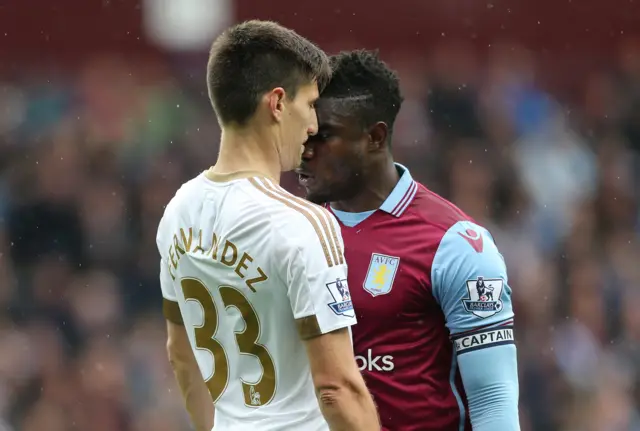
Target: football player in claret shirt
[{"x": 434, "y": 337}]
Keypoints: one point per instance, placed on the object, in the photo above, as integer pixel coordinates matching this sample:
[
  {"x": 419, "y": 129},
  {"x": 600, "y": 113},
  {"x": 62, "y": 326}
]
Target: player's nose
[{"x": 313, "y": 126}]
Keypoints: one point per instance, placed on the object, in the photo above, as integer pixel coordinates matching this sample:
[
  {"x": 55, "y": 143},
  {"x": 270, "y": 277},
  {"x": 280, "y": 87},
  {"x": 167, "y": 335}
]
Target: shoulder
[
  {"x": 292, "y": 214},
  {"x": 177, "y": 206},
  {"x": 299, "y": 224},
  {"x": 467, "y": 253},
  {"x": 185, "y": 195},
  {"x": 436, "y": 209},
  {"x": 464, "y": 242},
  {"x": 461, "y": 245},
  {"x": 431, "y": 216}
]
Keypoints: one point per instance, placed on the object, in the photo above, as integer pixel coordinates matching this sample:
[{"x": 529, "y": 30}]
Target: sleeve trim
[
  {"x": 318, "y": 217},
  {"x": 481, "y": 328},
  {"x": 171, "y": 311},
  {"x": 308, "y": 327}
]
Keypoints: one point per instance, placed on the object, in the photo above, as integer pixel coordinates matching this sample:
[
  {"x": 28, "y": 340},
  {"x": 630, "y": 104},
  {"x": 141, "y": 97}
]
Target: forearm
[
  {"x": 194, "y": 391},
  {"x": 490, "y": 378},
  {"x": 342, "y": 394},
  {"x": 185, "y": 367},
  {"x": 348, "y": 409}
]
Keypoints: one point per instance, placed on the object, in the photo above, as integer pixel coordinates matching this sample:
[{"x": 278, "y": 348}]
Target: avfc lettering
[
  {"x": 381, "y": 273},
  {"x": 487, "y": 338}
]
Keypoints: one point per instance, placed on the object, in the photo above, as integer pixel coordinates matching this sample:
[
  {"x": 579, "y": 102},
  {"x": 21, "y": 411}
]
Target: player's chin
[
  {"x": 316, "y": 196},
  {"x": 314, "y": 190}
]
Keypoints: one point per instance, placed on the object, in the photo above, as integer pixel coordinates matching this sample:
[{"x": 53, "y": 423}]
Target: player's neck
[
  {"x": 377, "y": 189},
  {"x": 247, "y": 151}
]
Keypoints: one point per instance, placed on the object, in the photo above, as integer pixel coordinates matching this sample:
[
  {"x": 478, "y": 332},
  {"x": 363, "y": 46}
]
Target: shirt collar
[{"x": 402, "y": 194}]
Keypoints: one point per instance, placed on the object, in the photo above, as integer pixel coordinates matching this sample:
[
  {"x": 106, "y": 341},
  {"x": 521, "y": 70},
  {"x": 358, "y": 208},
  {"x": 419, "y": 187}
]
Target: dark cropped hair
[
  {"x": 252, "y": 58},
  {"x": 372, "y": 88}
]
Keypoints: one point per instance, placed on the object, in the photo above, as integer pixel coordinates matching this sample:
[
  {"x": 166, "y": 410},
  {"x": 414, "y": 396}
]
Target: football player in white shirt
[{"x": 253, "y": 278}]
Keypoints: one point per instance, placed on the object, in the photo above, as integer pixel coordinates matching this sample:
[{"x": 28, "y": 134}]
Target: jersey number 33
[{"x": 255, "y": 394}]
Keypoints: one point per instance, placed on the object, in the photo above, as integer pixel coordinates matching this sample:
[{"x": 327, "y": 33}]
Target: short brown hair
[{"x": 254, "y": 57}]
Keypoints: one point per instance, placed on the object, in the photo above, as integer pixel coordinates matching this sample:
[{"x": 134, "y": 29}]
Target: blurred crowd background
[{"x": 525, "y": 113}]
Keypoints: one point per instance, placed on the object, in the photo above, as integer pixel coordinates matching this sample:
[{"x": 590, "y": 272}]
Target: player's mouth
[{"x": 305, "y": 179}]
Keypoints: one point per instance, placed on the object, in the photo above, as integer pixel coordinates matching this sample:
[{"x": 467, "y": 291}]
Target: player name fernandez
[{"x": 227, "y": 254}]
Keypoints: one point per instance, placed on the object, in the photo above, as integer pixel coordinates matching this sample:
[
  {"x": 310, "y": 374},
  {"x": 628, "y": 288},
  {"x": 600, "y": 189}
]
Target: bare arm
[
  {"x": 318, "y": 290},
  {"x": 342, "y": 394},
  {"x": 194, "y": 391}
]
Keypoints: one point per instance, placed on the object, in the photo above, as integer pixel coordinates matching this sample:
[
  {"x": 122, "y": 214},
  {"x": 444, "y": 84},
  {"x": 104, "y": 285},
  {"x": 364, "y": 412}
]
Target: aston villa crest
[{"x": 381, "y": 273}]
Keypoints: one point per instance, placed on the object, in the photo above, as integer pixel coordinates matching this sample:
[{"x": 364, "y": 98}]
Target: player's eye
[{"x": 324, "y": 136}]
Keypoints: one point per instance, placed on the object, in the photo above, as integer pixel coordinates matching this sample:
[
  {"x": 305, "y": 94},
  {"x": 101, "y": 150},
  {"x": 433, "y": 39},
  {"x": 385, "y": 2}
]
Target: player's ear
[
  {"x": 378, "y": 136},
  {"x": 275, "y": 100}
]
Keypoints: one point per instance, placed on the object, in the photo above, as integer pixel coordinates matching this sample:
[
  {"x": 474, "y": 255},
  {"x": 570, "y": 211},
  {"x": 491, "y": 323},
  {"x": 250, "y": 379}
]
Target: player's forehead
[
  {"x": 334, "y": 114},
  {"x": 309, "y": 91}
]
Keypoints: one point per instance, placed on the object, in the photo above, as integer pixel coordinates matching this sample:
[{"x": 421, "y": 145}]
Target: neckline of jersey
[{"x": 226, "y": 177}]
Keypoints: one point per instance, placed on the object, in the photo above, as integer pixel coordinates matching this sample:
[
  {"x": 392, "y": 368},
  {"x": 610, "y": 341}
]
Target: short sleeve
[
  {"x": 315, "y": 272},
  {"x": 469, "y": 281},
  {"x": 170, "y": 305}
]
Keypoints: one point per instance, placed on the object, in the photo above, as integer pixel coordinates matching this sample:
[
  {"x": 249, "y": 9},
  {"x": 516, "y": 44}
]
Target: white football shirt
[{"x": 250, "y": 270}]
